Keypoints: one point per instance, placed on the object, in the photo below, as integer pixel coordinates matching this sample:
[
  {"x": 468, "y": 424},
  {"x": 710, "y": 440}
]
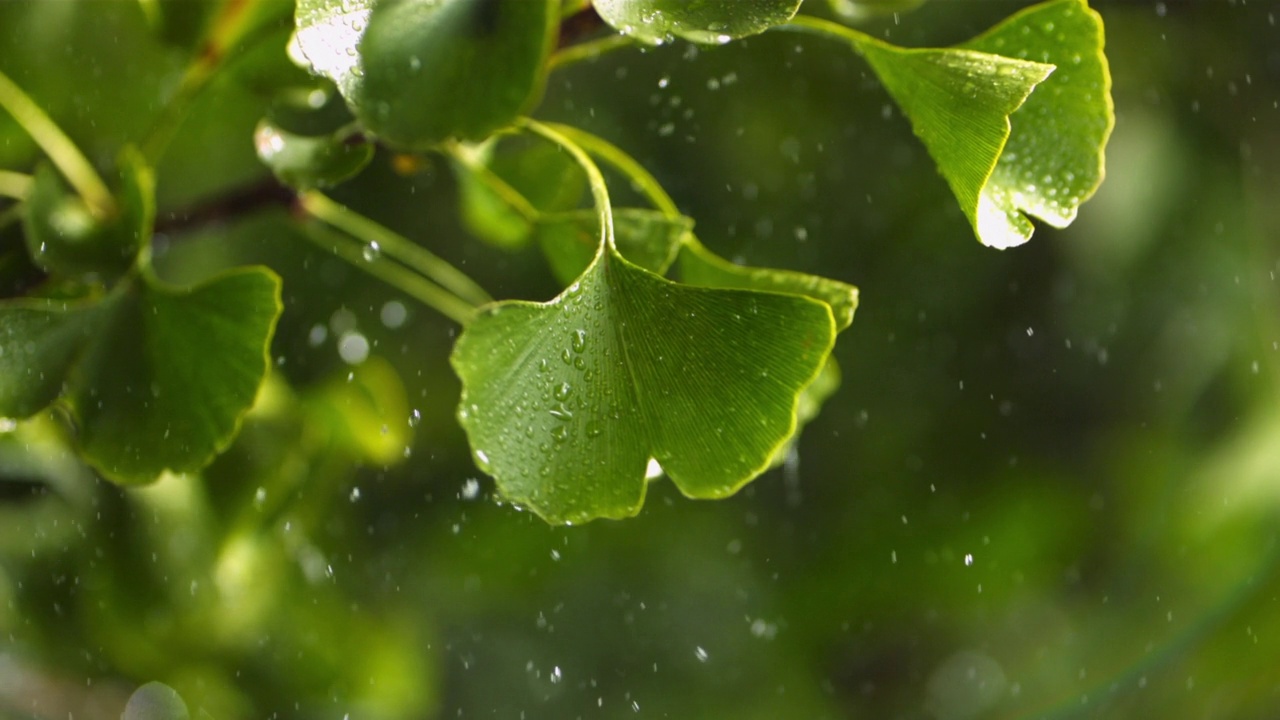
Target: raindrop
[
  {"x": 968, "y": 559},
  {"x": 701, "y": 654},
  {"x": 415, "y": 418},
  {"x": 355, "y": 494},
  {"x": 353, "y": 348},
  {"x": 470, "y": 489},
  {"x": 371, "y": 252}
]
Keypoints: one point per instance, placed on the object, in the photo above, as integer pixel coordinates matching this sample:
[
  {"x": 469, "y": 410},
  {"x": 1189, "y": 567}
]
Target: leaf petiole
[
  {"x": 589, "y": 50},
  {"x": 619, "y": 160},
  {"x": 55, "y": 143},
  {"x": 14, "y": 185},
  {"x": 599, "y": 190},
  {"x": 395, "y": 246}
]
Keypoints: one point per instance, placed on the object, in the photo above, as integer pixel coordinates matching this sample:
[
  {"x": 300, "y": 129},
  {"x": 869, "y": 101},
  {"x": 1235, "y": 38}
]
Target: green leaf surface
[
  {"x": 702, "y": 21},
  {"x": 566, "y": 402},
  {"x": 646, "y": 238},
  {"x": 39, "y": 342},
  {"x": 171, "y": 371},
  {"x": 1003, "y": 148},
  {"x": 700, "y": 266},
  {"x": 420, "y": 72},
  {"x": 155, "y": 701},
  {"x": 63, "y": 236},
  {"x": 305, "y": 162},
  {"x": 544, "y": 178},
  {"x": 1054, "y": 159}
]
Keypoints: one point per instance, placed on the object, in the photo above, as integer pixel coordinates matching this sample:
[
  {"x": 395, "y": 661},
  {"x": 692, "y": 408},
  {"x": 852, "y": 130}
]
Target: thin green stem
[
  {"x": 599, "y": 190},
  {"x": 832, "y": 31},
  {"x": 55, "y": 143},
  {"x": 394, "y": 246},
  {"x": 14, "y": 185},
  {"x": 589, "y": 50},
  {"x": 512, "y": 197},
  {"x": 410, "y": 283},
  {"x": 618, "y": 159}
]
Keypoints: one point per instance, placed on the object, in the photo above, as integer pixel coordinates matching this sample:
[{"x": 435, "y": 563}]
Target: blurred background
[{"x": 1048, "y": 487}]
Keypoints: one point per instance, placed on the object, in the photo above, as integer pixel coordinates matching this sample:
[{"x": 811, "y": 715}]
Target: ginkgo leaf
[
  {"x": 169, "y": 372},
  {"x": 305, "y": 162},
  {"x": 1054, "y": 159},
  {"x": 703, "y": 21},
  {"x": 64, "y": 237},
  {"x": 1017, "y": 120},
  {"x": 566, "y": 402},
  {"x": 420, "y": 72}
]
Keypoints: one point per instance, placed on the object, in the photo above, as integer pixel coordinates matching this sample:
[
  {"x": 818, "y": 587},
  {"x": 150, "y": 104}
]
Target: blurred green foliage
[{"x": 1048, "y": 487}]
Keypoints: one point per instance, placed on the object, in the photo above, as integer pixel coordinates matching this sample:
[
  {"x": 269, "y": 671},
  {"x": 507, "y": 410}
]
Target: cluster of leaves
[{"x": 659, "y": 357}]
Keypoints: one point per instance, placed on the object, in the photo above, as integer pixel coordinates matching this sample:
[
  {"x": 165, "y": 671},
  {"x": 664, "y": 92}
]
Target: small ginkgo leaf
[
  {"x": 645, "y": 237},
  {"x": 566, "y": 402},
  {"x": 169, "y": 372},
  {"x": 62, "y": 235},
  {"x": 1054, "y": 159},
  {"x": 39, "y": 342},
  {"x": 700, "y": 266},
  {"x": 964, "y": 105},
  {"x": 305, "y": 162},
  {"x": 701, "y": 21},
  {"x": 420, "y": 72}
]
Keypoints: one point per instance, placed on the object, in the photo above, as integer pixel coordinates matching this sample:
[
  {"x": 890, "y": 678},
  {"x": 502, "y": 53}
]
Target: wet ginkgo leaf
[
  {"x": 702, "y": 21},
  {"x": 566, "y": 402},
  {"x": 1017, "y": 120},
  {"x": 420, "y": 72}
]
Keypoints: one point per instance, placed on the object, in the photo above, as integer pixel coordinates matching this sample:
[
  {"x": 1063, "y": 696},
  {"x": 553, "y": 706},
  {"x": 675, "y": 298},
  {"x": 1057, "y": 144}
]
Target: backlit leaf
[{"x": 1003, "y": 148}]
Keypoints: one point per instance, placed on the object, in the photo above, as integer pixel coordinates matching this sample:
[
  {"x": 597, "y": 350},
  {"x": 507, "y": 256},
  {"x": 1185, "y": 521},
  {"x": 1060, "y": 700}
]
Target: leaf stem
[
  {"x": 467, "y": 156},
  {"x": 832, "y": 31},
  {"x": 599, "y": 190},
  {"x": 14, "y": 185},
  {"x": 412, "y": 284},
  {"x": 618, "y": 159},
  {"x": 589, "y": 50},
  {"x": 55, "y": 143},
  {"x": 395, "y": 246}
]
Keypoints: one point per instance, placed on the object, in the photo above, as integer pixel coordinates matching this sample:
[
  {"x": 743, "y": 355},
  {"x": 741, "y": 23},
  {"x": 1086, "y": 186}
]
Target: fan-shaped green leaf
[
  {"x": 702, "y": 21},
  {"x": 645, "y": 237},
  {"x": 1054, "y": 159},
  {"x": 419, "y": 72},
  {"x": 305, "y": 162},
  {"x": 64, "y": 237},
  {"x": 566, "y": 402},
  {"x": 1000, "y": 161},
  {"x": 163, "y": 383}
]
